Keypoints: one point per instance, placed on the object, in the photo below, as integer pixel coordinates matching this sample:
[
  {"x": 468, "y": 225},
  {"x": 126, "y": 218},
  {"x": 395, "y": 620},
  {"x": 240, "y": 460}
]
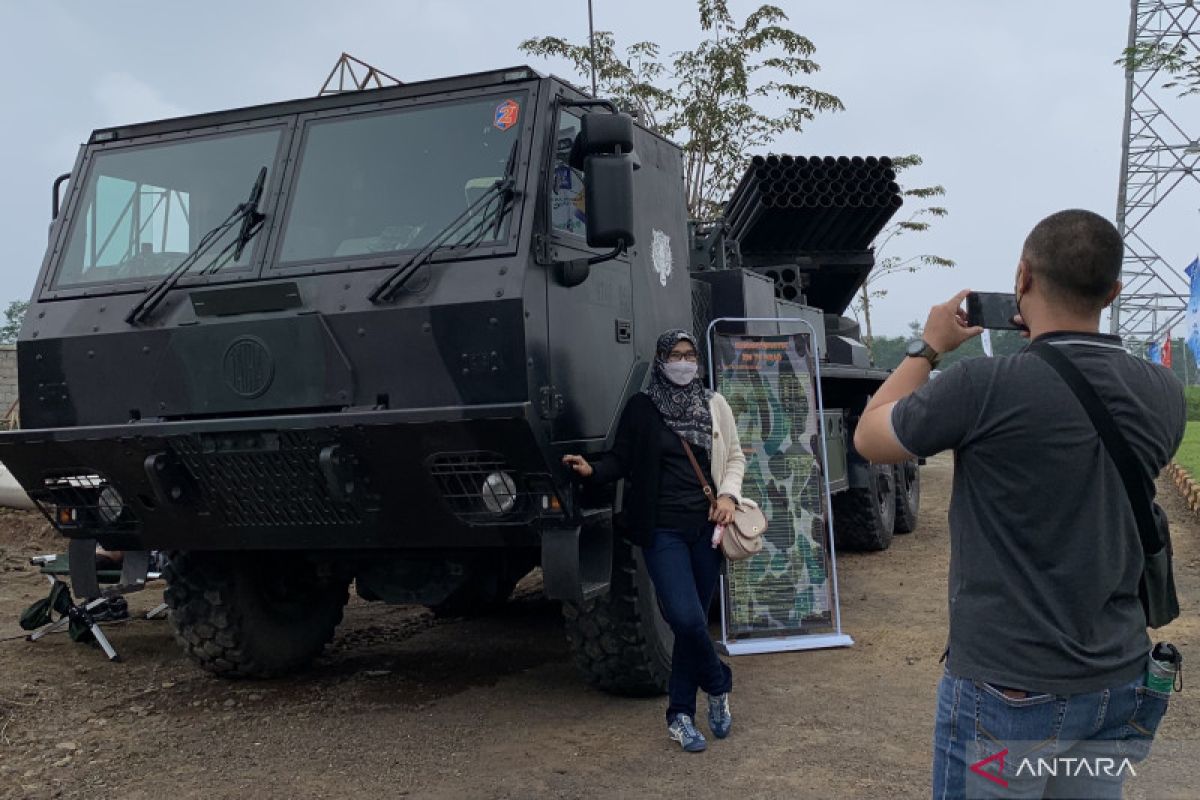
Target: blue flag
[
  {"x": 1192, "y": 318},
  {"x": 1154, "y": 353}
]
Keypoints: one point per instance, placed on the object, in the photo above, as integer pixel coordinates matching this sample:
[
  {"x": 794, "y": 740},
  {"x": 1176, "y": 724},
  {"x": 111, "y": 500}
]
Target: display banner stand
[{"x": 785, "y": 597}]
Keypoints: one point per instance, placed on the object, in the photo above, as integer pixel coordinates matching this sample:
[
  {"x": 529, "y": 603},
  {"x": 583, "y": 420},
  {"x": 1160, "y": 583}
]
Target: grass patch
[
  {"x": 1188, "y": 456},
  {"x": 1193, "y": 403}
]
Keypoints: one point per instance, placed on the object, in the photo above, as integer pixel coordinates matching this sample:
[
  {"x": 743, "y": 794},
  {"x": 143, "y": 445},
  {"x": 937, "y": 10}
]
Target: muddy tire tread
[
  {"x": 608, "y": 636},
  {"x": 214, "y": 632}
]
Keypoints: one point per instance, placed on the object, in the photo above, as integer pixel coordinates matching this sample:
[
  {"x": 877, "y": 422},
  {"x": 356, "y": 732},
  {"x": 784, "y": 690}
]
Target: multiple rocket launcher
[{"x": 791, "y": 214}]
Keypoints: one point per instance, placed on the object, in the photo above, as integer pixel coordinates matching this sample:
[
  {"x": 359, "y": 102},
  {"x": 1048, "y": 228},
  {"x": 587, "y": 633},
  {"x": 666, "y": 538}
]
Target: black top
[
  {"x": 637, "y": 455},
  {"x": 1045, "y": 556},
  {"x": 681, "y": 500}
]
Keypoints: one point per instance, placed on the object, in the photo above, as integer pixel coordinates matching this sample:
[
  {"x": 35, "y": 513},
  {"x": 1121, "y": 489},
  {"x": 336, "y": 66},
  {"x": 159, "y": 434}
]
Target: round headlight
[
  {"x": 499, "y": 493},
  {"x": 110, "y": 504}
]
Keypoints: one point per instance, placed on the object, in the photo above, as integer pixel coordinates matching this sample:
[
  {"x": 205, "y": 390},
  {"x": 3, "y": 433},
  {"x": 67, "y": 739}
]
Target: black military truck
[{"x": 347, "y": 339}]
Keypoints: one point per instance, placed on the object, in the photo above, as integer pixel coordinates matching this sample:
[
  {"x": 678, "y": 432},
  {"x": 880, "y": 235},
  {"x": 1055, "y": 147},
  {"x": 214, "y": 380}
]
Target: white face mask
[{"x": 680, "y": 373}]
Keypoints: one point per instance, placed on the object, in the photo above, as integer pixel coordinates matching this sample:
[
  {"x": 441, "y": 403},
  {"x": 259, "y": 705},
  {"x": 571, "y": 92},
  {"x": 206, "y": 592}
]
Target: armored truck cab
[{"x": 349, "y": 338}]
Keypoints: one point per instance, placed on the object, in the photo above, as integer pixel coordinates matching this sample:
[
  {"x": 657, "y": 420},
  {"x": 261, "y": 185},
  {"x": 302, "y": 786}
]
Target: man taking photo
[{"x": 1047, "y": 642}]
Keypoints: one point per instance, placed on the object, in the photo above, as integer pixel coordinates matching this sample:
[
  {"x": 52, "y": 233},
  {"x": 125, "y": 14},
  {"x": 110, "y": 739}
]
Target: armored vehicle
[{"x": 347, "y": 340}]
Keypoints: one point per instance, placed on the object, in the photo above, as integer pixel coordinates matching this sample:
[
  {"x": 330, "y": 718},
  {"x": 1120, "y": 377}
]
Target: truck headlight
[
  {"x": 110, "y": 504},
  {"x": 499, "y": 493}
]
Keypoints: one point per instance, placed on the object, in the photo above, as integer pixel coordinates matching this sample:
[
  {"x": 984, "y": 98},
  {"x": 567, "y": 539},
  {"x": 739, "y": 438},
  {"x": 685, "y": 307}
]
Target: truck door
[{"x": 591, "y": 332}]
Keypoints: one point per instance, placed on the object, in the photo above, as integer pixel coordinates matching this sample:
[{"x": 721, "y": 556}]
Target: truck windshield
[
  {"x": 373, "y": 184},
  {"x": 145, "y": 208}
]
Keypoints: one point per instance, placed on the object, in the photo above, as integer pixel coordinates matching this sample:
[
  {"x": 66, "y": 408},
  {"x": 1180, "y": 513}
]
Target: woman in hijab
[{"x": 671, "y": 519}]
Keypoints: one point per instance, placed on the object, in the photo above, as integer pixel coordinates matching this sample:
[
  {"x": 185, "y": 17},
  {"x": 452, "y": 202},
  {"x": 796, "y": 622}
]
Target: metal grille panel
[{"x": 279, "y": 485}]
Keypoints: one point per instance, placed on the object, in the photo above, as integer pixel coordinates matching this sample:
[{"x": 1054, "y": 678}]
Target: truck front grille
[{"x": 275, "y": 480}]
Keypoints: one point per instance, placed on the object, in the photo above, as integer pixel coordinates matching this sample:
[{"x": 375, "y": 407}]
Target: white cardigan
[{"x": 728, "y": 460}]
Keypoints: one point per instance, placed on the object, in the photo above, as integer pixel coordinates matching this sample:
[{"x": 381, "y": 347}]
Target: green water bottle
[{"x": 1164, "y": 669}]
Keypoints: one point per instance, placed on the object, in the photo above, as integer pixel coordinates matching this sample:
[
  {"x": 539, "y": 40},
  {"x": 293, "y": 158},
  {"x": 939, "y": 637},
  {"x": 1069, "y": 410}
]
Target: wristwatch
[{"x": 919, "y": 348}]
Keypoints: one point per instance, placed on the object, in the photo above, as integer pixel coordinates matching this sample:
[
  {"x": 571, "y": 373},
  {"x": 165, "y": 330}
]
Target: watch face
[{"x": 916, "y": 347}]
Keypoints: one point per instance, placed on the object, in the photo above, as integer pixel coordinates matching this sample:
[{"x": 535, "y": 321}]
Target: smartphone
[{"x": 994, "y": 310}]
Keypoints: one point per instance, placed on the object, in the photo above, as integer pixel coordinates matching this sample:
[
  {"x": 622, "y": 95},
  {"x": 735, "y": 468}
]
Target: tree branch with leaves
[
  {"x": 1181, "y": 61},
  {"x": 719, "y": 99},
  {"x": 919, "y": 221},
  {"x": 14, "y": 315}
]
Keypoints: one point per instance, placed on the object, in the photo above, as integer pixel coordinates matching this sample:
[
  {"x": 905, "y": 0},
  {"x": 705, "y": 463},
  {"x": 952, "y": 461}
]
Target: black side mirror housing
[
  {"x": 602, "y": 133},
  {"x": 609, "y": 200},
  {"x": 603, "y": 150}
]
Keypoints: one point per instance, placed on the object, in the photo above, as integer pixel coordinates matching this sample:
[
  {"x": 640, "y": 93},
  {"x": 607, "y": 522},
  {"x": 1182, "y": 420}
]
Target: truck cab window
[
  {"x": 144, "y": 209},
  {"x": 567, "y": 212},
  {"x": 378, "y": 183}
]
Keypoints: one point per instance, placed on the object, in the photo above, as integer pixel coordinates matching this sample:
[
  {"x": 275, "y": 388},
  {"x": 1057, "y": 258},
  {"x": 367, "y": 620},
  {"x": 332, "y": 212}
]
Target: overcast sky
[{"x": 1016, "y": 107}]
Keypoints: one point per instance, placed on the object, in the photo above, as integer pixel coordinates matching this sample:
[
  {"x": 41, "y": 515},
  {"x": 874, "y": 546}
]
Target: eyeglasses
[{"x": 675, "y": 358}]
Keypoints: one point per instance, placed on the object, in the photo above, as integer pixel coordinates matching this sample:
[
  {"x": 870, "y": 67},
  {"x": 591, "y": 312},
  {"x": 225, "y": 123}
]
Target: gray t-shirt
[{"x": 1045, "y": 558}]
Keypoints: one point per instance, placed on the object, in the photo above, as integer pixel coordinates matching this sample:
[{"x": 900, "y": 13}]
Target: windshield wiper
[
  {"x": 492, "y": 206},
  {"x": 251, "y": 220}
]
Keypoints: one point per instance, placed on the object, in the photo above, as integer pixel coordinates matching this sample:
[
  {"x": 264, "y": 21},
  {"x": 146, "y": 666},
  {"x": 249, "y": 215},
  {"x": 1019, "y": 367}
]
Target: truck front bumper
[{"x": 434, "y": 479}]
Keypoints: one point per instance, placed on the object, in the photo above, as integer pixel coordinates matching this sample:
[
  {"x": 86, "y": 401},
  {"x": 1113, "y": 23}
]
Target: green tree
[
  {"x": 889, "y": 351},
  {"x": 13, "y": 316},
  {"x": 720, "y": 99},
  {"x": 918, "y": 221}
]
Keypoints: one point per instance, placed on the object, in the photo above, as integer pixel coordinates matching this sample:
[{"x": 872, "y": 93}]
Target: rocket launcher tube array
[{"x": 789, "y": 204}]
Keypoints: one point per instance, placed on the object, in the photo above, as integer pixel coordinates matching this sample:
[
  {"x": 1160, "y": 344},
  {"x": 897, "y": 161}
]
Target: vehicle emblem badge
[
  {"x": 660, "y": 255},
  {"x": 249, "y": 367}
]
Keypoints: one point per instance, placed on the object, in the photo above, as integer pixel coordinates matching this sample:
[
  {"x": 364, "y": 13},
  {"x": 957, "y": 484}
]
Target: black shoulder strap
[{"x": 1116, "y": 444}]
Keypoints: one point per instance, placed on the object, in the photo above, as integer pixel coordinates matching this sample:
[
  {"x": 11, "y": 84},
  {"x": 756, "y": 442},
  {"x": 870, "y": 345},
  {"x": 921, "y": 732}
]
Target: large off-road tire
[
  {"x": 864, "y": 519},
  {"x": 908, "y": 496},
  {"x": 620, "y": 641},
  {"x": 250, "y": 615}
]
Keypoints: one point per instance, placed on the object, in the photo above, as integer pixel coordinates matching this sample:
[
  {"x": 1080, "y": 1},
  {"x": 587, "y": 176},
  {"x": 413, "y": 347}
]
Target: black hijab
[{"x": 685, "y": 409}]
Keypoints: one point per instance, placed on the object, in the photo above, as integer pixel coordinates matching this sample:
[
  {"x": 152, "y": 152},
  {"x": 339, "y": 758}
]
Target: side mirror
[
  {"x": 602, "y": 133},
  {"x": 608, "y": 197}
]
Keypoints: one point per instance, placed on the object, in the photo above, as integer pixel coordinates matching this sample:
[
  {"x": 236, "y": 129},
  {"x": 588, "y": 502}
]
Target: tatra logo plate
[{"x": 248, "y": 367}]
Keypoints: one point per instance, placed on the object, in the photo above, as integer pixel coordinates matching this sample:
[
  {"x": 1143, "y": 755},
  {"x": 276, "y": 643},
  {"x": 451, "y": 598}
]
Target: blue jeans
[
  {"x": 987, "y": 744},
  {"x": 684, "y": 567}
]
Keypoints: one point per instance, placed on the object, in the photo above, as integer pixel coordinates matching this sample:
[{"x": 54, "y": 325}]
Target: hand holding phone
[{"x": 994, "y": 310}]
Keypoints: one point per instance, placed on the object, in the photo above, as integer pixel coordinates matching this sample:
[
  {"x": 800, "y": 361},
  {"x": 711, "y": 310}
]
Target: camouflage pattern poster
[{"x": 785, "y": 589}]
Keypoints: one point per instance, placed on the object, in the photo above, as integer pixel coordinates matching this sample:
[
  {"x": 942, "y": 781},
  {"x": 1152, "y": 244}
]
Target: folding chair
[{"x": 78, "y": 566}]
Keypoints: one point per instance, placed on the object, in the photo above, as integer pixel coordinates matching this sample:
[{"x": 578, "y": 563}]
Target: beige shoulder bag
[{"x": 743, "y": 536}]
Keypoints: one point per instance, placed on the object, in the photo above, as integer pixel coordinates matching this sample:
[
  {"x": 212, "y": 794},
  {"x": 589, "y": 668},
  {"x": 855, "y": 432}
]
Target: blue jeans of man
[
  {"x": 684, "y": 567},
  {"x": 987, "y": 743}
]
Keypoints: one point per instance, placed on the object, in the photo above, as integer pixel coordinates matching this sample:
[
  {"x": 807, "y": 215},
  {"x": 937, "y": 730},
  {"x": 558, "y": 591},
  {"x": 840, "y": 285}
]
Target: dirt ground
[{"x": 406, "y": 706}]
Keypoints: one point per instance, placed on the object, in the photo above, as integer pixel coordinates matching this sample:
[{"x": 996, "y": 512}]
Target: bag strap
[
  {"x": 708, "y": 492},
  {"x": 1116, "y": 444}
]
